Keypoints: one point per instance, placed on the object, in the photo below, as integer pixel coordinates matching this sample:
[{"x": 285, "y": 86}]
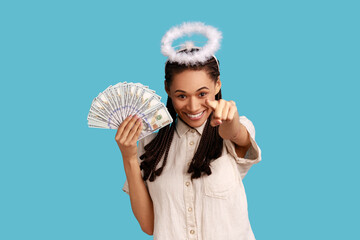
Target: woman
[{"x": 185, "y": 182}]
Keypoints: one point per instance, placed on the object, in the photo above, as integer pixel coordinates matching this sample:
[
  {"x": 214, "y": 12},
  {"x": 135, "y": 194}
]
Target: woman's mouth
[{"x": 196, "y": 116}]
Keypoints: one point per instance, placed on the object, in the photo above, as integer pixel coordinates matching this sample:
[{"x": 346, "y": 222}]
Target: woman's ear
[
  {"x": 217, "y": 86},
  {"x": 167, "y": 88}
]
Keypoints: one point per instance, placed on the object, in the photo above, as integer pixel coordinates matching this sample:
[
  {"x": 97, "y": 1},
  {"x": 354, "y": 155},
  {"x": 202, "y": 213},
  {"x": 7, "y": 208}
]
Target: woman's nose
[{"x": 194, "y": 105}]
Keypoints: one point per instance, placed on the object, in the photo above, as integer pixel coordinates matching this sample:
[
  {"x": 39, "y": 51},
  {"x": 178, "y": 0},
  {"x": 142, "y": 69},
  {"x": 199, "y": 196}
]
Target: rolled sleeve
[
  {"x": 253, "y": 154},
  {"x": 126, "y": 187}
]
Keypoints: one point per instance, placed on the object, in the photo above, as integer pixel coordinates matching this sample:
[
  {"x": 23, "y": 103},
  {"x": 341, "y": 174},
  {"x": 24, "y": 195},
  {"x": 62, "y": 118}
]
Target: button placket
[
  {"x": 189, "y": 189},
  {"x": 189, "y": 206},
  {"x": 191, "y": 140}
]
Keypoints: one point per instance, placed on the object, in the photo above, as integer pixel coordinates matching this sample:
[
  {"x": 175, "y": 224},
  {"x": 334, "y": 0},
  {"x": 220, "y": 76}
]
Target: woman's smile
[{"x": 195, "y": 116}]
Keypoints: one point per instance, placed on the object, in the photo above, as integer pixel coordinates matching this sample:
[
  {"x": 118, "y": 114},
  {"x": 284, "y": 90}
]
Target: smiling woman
[
  {"x": 188, "y": 88},
  {"x": 185, "y": 182}
]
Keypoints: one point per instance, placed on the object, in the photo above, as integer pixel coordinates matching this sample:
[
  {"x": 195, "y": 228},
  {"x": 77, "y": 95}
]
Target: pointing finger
[
  {"x": 219, "y": 109},
  {"x": 231, "y": 113},
  {"x": 211, "y": 103}
]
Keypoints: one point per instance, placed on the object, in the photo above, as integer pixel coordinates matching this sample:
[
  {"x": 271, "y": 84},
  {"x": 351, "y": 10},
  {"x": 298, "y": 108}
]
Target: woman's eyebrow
[
  {"x": 202, "y": 88},
  {"x": 195, "y": 91}
]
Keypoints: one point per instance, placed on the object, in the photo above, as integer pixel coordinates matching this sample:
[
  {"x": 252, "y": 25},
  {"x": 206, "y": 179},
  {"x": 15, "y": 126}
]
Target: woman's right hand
[{"x": 127, "y": 136}]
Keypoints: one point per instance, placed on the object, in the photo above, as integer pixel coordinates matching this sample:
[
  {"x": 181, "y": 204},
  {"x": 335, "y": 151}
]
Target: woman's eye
[
  {"x": 181, "y": 96},
  {"x": 202, "y": 94}
]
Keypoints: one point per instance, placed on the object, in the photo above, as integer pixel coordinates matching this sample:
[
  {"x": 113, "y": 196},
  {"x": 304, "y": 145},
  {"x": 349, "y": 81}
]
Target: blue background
[{"x": 292, "y": 67}]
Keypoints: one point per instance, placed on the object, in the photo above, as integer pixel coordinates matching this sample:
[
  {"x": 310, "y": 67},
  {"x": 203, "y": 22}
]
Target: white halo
[{"x": 213, "y": 44}]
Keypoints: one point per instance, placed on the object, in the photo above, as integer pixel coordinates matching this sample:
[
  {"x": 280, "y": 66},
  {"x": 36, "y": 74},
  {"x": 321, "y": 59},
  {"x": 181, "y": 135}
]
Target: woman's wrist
[
  {"x": 242, "y": 137},
  {"x": 130, "y": 161}
]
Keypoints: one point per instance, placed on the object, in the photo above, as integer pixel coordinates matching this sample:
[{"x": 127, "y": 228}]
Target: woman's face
[{"x": 188, "y": 91}]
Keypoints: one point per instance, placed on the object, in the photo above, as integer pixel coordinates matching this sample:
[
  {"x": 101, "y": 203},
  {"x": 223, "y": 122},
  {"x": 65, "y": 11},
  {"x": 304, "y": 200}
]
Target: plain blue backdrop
[{"x": 292, "y": 67}]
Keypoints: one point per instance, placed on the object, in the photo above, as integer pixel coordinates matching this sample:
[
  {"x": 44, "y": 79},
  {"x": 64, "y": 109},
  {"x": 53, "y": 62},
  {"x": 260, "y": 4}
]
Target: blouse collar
[{"x": 182, "y": 127}]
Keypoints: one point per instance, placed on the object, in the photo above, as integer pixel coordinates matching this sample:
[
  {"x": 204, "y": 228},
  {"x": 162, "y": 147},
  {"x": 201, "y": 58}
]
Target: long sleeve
[{"x": 252, "y": 156}]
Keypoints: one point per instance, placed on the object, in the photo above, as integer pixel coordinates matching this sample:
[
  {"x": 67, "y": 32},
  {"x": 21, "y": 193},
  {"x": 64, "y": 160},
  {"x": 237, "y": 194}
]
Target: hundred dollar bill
[
  {"x": 135, "y": 90},
  {"x": 103, "y": 105},
  {"x": 128, "y": 95},
  {"x": 152, "y": 103},
  {"x": 102, "y": 124},
  {"x": 154, "y": 120},
  {"x": 141, "y": 96},
  {"x": 113, "y": 98},
  {"x": 139, "y": 92},
  {"x": 110, "y": 108},
  {"x": 97, "y": 108},
  {"x": 107, "y": 98},
  {"x": 121, "y": 98},
  {"x": 94, "y": 115},
  {"x": 132, "y": 88}
]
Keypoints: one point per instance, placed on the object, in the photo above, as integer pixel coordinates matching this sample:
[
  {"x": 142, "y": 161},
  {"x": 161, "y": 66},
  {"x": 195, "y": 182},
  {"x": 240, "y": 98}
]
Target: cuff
[
  {"x": 126, "y": 187},
  {"x": 253, "y": 154}
]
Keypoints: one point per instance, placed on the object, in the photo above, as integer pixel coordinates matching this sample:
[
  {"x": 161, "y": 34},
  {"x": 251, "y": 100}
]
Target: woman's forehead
[{"x": 191, "y": 80}]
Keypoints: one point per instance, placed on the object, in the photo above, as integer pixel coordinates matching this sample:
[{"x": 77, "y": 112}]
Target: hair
[{"x": 211, "y": 144}]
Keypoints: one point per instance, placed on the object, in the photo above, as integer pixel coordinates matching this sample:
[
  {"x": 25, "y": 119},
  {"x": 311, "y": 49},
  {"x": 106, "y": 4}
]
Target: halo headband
[{"x": 207, "y": 51}]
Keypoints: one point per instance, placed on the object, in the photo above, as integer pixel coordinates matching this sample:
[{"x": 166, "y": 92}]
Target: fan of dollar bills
[{"x": 117, "y": 102}]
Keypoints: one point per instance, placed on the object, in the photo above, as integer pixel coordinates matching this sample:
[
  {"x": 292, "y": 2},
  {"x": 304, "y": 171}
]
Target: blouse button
[
  {"x": 189, "y": 209},
  {"x": 192, "y": 130},
  {"x": 192, "y": 231},
  {"x": 191, "y": 143},
  {"x": 187, "y": 184}
]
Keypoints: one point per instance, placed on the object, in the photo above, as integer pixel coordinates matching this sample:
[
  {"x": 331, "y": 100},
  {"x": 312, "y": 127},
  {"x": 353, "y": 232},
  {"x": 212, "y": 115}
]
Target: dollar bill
[
  {"x": 110, "y": 108},
  {"x": 155, "y": 119}
]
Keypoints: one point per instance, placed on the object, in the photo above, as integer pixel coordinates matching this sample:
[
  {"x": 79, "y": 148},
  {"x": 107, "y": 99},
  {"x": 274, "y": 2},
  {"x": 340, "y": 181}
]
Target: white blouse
[{"x": 208, "y": 208}]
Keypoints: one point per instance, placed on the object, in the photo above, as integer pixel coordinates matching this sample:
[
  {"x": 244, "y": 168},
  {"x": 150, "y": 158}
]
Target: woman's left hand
[
  {"x": 226, "y": 115},
  {"x": 224, "y": 111}
]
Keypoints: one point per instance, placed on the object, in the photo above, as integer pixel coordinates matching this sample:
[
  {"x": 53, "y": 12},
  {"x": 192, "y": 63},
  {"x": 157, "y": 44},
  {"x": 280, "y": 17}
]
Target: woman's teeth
[{"x": 195, "y": 116}]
